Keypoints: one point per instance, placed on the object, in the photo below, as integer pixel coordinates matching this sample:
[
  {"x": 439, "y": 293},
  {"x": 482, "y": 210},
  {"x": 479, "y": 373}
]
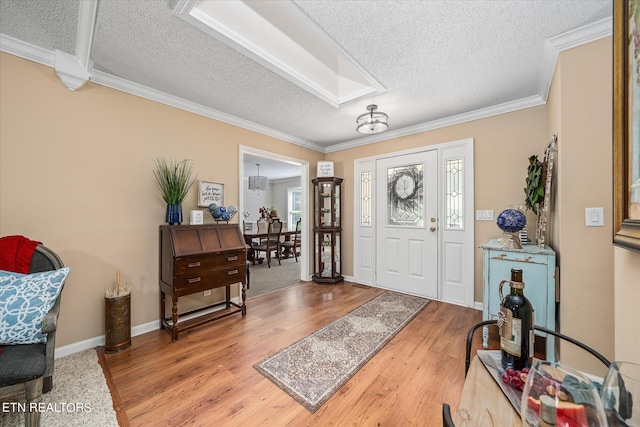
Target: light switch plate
[
  {"x": 594, "y": 217},
  {"x": 484, "y": 215}
]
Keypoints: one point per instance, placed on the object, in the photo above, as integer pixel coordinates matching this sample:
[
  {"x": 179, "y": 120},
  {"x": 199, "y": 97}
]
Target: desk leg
[
  {"x": 228, "y": 295},
  {"x": 162, "y": 309},
  {"x": 174, "y": 318},
  {"x": 244, "y": 299}
]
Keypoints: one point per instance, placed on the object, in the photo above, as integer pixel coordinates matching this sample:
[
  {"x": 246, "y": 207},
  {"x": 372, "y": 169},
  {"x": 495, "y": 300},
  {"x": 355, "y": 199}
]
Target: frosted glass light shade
[
  {"x": 373, "y": 121},
  {"x": 258, "y": 184}
]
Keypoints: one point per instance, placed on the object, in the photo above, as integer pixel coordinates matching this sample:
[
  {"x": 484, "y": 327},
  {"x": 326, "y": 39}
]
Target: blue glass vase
[
  {"x": 511, "y": 220},
  {"x": 174, "y": 214}
]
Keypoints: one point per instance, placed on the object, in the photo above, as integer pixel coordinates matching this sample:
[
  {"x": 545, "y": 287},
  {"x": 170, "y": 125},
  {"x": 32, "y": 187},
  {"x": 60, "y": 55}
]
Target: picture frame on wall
[
  {"x": 325, "y": 169},
  {"x": 210, "y": 192},
  {"x": 626, "y": 126}
]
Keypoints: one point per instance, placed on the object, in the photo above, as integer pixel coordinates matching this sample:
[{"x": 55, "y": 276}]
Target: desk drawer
[
  {"x": 204, "y": 263},
  {"x": 215, "y": 278}
]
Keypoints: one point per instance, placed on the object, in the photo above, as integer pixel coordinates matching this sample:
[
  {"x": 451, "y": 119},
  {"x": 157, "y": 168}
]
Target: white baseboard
[
  {"x": 478, "y": 305},
  {"x": 98, "y": 341}
]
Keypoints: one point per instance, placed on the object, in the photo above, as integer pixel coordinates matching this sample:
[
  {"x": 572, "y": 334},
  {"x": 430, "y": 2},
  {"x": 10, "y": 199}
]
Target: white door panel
[{"x": 458, "y": 227}]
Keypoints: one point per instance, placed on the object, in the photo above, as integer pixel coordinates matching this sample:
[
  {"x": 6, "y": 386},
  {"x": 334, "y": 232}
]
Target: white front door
[{"x": 407, "y": 223}]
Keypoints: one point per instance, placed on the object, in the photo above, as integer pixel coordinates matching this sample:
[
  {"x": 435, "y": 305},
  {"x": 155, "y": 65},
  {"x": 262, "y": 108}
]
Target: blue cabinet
[{"x": 538, "y": 274}]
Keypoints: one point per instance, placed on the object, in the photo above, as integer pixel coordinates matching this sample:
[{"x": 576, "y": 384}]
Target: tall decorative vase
[
  {"x": 117, "y": 320},
  {"x": 174, "y": 214}
]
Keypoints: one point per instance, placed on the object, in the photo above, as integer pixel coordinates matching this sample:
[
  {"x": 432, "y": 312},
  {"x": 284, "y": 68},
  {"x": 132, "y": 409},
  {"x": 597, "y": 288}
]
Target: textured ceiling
[{"x": 438, "y": 60}]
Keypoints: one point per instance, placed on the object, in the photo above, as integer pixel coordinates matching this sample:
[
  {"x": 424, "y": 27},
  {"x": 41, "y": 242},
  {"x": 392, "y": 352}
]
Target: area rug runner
[{"x": 314, "y": 368}]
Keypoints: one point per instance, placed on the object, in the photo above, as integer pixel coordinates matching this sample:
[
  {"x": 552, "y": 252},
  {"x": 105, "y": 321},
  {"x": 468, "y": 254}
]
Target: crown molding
[
  {"x": 27, "y": 51},
  {"x": 45, "y": 57},
  {"x": 132, "y": 88},
  {"x": 507, "y": 107},
  {"x": 554, "y": 45},
  {"x": 183, "y": 7},
  {"x": 69, "y": 70}
]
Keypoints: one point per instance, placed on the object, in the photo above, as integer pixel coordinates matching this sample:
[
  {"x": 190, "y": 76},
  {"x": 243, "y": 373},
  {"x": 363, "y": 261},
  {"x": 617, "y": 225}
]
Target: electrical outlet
[
  {"x": 484, "y": 215},
  {"x": 207, "y": 293}
]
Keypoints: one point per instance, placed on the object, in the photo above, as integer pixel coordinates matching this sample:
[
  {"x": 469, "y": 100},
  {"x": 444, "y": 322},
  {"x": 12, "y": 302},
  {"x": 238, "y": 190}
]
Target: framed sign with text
[
  {"x": 325, "y": 169},
  {"x": 210, "y": 192}
]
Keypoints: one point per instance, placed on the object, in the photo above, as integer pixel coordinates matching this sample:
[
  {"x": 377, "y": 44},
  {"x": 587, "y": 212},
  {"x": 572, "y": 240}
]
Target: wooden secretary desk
[{"x": 196, "y": 258}]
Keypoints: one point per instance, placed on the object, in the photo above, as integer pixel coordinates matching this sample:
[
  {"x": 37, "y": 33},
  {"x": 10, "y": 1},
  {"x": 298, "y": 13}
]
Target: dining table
[
  {"x": 263, "y": 233},
  {"x": 482, "y": 402}
]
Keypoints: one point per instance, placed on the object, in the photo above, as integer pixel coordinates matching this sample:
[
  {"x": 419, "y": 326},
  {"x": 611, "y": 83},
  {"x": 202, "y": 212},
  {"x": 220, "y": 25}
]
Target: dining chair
[
  {"x": 262, "y": 225},
  {"x": 295, "y": 244},
  {"x": 583, "y": 346},
  {"x": 272, "y": 242}
]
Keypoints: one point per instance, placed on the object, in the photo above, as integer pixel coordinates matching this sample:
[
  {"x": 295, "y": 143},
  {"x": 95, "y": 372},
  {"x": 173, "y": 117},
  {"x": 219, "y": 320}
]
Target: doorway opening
[{"x": 287, "y": 178}]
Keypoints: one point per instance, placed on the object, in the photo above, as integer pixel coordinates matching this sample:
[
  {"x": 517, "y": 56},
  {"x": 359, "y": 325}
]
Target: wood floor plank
[{"x": 207, "y": 377}]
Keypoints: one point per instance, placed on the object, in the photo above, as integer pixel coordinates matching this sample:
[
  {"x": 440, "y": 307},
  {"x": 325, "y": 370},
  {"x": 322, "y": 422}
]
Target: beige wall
[
  {"x": 580, "y": 113},
  {"x": 76, "y": 174}
]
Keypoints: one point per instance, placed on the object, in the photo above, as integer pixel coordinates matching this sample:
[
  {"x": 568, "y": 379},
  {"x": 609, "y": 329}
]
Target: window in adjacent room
[{"x": 294, "y": 206}]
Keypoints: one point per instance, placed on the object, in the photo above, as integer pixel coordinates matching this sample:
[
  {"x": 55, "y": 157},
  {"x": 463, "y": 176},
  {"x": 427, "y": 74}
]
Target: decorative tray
[{"x": 491, "y": 360}]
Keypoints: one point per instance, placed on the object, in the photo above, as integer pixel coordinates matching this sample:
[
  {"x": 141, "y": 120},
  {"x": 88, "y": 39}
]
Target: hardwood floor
[{"x": 207, "y": 377}]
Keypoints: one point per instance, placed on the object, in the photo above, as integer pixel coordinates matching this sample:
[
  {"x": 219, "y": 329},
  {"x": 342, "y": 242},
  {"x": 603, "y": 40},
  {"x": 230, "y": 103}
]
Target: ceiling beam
[
  {"x": 86, "y": 26},
  {"x": 73, "y": 71}
]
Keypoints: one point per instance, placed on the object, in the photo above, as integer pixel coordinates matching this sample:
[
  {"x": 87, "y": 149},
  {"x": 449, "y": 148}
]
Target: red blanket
[{"x": 16, "y": 252}]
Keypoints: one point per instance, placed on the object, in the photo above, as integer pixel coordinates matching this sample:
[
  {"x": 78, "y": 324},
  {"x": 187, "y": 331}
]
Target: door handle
[{"x": 432, "y": 229}]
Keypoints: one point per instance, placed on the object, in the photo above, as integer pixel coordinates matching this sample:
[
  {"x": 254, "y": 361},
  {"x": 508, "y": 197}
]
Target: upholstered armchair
[{"x": 27, "y": 369}]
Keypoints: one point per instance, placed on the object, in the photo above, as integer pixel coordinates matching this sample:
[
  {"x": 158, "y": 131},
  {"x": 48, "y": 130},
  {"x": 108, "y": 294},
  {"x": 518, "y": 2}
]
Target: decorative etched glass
[
  {"x": 365, "y": 198},
  {"x": 454, "y": 194},
  {"x": 405, "y": 196}
]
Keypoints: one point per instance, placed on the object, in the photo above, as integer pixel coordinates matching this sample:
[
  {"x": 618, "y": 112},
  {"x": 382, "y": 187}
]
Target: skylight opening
[{"x": 279, "y": 36}]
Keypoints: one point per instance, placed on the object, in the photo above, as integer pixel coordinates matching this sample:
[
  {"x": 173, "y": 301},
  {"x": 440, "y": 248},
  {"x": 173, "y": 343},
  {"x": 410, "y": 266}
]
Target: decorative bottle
[{"x": 516, "y": 320}]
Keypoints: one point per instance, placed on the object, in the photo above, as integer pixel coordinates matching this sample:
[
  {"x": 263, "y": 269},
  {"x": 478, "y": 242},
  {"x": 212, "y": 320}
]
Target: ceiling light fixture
[
  {"x": 373, "y": 121},
  {"x": 258, "y": 184}
]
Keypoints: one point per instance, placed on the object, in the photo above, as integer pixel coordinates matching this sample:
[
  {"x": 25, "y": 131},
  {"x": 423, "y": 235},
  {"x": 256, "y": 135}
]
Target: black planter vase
[{"x": 174, "y": 214}]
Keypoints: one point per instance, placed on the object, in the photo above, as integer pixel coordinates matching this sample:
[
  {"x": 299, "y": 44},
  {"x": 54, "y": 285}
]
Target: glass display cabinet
[{"x": 327, "y": 230}]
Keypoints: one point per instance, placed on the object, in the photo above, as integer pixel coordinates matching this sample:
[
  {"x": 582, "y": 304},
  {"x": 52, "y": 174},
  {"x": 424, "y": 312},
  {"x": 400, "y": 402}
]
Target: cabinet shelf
[{"x": 327, "y": 230}]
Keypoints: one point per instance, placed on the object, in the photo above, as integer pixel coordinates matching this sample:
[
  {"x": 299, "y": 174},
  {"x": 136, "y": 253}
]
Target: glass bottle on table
[{"x": 516, "y": 320}]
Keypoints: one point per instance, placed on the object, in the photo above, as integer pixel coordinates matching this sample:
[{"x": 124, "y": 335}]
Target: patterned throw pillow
[{"x": 25, "y": 299}]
